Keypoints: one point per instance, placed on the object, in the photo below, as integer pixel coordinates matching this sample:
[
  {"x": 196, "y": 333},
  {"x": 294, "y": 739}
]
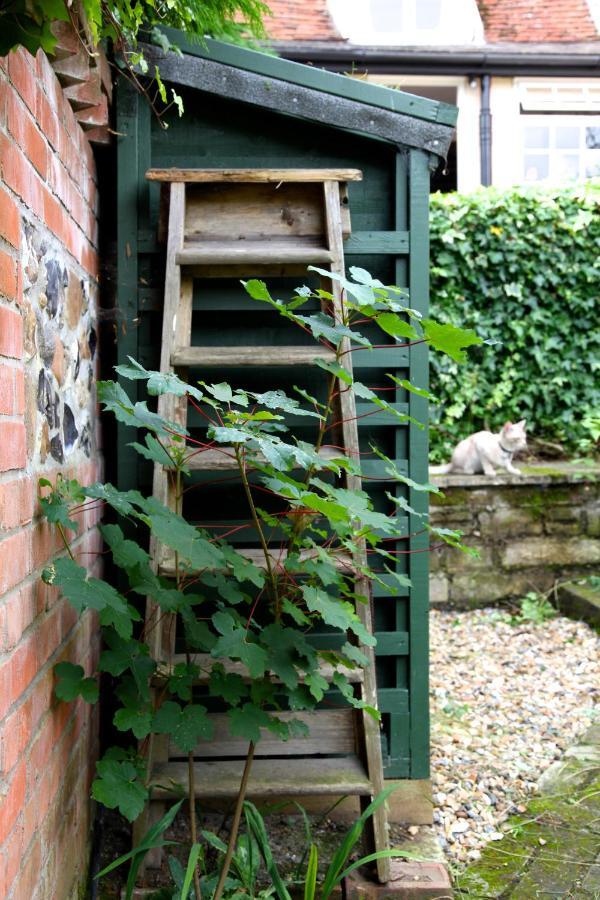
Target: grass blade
[
  {"x": 256, "y": 825},
  {"x": 310, "y": 883},
  {"x": 189, "y": 872}
]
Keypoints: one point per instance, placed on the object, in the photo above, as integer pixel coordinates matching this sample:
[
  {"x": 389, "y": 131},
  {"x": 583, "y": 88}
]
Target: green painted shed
[{"x": 245, "y": 109}]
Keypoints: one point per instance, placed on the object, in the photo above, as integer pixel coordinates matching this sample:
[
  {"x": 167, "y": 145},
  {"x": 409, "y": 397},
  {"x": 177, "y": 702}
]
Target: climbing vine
[{"x": 311, "y": 527}]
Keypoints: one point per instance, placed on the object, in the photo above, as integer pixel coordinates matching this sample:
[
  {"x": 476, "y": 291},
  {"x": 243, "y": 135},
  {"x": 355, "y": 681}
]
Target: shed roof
[{"x": 306, "y": 92}]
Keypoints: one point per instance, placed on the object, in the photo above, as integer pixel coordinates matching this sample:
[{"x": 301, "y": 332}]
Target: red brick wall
[{"x": 48, "y": 269}]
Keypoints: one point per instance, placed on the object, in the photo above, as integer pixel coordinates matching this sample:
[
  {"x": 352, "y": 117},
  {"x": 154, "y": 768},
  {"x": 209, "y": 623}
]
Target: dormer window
[{"x": 408, "y": 22}]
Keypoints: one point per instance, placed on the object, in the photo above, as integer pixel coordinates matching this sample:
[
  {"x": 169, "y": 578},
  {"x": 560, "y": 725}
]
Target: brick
[
  {"x": 89, "y": 93},
  {"x": 12, "y": 446},
  {"x": 15, "y": 732},
  {"x": 19, "y": 174},
  {"x": 11, "y": 334},
  {"x": 25, "y": 132},
  {"x": 92, "y": 116},
  {"x": 12, "y": 802},
  {"x": 21, "y": 73},
  {"x": 10, "y": 220},
  {"x": 67, "y": 39},
  {"x": 9, "y": 866},
  {"x": 48, "y": 120},
  {"x": 14, "y": 560},
  {"x": 29, "y": 873},
  {"x": 8, "y": 276},
  {"x": 23, "y": 663},
  {"x": 19, "y": 392},
  {"x": 7, "y": 394},
  {"x": 16, "y": 502}
]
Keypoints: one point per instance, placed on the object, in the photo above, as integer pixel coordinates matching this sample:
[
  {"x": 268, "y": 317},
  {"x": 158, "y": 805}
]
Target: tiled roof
[
  {"x": 537, "y": 21},
  {"x": 511, "y": 21},
  {"x": 300, "y": 20}
]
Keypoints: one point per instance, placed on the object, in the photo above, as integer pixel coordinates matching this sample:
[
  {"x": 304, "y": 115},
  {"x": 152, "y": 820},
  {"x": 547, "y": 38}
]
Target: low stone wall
[{"x": 530, "y": 531}]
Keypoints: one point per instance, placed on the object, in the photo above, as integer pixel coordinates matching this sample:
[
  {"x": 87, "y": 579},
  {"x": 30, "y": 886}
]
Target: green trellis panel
[{"x": 389, "y": 211}]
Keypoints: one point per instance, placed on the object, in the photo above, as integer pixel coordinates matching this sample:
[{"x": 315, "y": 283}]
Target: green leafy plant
[
  {"x": 520, "y": 265},
  {"x": 230, "y": 608},
  {"x": 28, "y": 23}
]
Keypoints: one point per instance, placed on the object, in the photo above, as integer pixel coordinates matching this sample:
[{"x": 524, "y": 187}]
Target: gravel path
[{"x": 507, "y": 700}]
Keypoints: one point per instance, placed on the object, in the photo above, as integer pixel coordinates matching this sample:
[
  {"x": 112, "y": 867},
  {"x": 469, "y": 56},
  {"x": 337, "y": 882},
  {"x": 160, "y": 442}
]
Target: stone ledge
[
  {"x": 538, "y": 474},
  {"x": 578, "y": 601}
]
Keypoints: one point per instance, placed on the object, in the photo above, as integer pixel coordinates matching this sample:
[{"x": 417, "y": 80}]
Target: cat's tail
[{"x": 440, "y": 470}]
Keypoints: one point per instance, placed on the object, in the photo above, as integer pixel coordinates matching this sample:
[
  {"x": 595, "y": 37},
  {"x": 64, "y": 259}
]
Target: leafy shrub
[{"x": 522, "y": 267}]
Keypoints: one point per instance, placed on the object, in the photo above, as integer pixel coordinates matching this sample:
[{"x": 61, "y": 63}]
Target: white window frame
[
  {"x": 460, "y": 23},
  {"x": 553, "y": 153}
]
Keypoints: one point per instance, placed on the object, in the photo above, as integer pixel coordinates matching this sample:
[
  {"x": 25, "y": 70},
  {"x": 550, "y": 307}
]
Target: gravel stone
[{"x": 507, "y": 701}]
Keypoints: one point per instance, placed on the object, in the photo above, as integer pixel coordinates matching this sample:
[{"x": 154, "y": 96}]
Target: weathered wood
[
  {"x": 247, "y": 253},
  {"x": 205, "y": 662},
  {"x": 370, "y": 747},
  {"x": 330, "y": 732},
  {"x": 253, "y": 176},
  {"x": 251, "y": 212},
  {"x": 220, "y": 779},
  {"x": 249, "y": 356},
  {"x": 224, "y": 459},
  {"x": 256, "y": 556},
  {"x": 295, "y": 100}
]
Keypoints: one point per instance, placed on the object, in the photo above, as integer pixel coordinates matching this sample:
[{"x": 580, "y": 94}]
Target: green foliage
[
  {"x": 233, "y": 610},
  {"x": 520, "y": 266},
  {"x": 536, "y": 609},
  {"x": 28, "y": 23},
  {"x": 71, "y": 683}
]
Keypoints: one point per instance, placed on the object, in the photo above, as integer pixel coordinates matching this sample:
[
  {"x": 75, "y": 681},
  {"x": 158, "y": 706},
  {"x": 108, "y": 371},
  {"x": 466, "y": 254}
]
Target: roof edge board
[
  {"x": 232, "y": 83},
  {"x": 312, "y": 77}
]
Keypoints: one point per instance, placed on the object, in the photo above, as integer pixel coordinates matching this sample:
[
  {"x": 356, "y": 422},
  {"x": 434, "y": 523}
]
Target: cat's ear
[
  {"x": 522, "y": 424},
  {"x": 507, "y": 425}
]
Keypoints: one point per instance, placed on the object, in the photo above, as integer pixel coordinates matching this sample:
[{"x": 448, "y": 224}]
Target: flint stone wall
[{"x": 530, "y": 530}]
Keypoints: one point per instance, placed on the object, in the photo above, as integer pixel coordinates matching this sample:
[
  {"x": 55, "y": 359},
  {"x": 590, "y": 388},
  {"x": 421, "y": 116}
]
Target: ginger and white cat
[{"x": 485, "y": 452}]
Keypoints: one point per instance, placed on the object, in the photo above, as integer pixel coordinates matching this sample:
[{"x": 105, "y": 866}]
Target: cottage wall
[{"x": 48, "y": 428}]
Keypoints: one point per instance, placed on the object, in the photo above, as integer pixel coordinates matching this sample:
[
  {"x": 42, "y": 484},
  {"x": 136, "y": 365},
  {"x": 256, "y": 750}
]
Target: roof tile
[
  {"x": 537, "y": 21},
  {"x": 301, "y": 20}
]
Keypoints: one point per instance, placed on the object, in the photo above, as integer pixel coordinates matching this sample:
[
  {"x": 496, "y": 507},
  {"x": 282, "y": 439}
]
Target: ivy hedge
[{"x": 521, "y": 267}]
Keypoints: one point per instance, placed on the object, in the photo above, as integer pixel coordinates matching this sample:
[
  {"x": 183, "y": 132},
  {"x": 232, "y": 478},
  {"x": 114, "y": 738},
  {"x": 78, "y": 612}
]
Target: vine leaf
[
  {"x": 55, "y": 506},
  {"x": 72, "y": 683},
  {"x": 449, "y": 339},
  {"x": 234, "y": 644},
  {"x": 186, "y": 726},
  {"x": 157, "y": 382},
  {"x": 134, "y": 718},
  {"x": 246, "y": 721},
  {"x": 83, "y": 592},
  {"x": 118, "y": 786}
]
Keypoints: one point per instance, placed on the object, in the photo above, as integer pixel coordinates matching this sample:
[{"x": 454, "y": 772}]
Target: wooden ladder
[{"x": 243, "y": 223}]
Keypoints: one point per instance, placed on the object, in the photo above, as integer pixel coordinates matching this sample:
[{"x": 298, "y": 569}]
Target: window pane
[
  {"x": 387, "y": 15},
  {"x": 592, "y": 138},
  {"x": 567, "y": 137},
  {"x": 429, "y": 13},
  {"x": 536, "y": 137},
  {"x": 567, "y": 166},
  {"x": 592, "y": 164},
  {"x": 536, "y": 167}
]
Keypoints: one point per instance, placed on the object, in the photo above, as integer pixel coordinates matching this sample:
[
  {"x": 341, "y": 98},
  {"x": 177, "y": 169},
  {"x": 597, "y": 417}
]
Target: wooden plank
[
  {"x": 247, "y": 253},
  {"x": 251, "y": 212},
  {"x": 331, "y": 732},
  {"x": 370, "y": 746},
  {"x": 419, "y": 560},
  {"x": 205, "y": 662},
  {"x": 273, "y": 66},
  {"x": 227, "y": 357},
  {"x": 220, "y": 779},
  {"x": 393, "y": 700},
  {"x": 303, "y": 103},
  {"x": 223, "y": 459},
  {"x": 253, "y": 176},
  {"x": 343, "y": 561},
  {"x": 128, "y": 151},
  {"x": 384, "y": 242}
]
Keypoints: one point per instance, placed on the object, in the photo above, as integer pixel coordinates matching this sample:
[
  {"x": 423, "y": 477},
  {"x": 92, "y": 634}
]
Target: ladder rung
[
  {"x": 253, "y": 176},
  {"x": 224, "y": 459},
  {"x": 205, "y": 662},
  {"x": 343, "y": 562},
  {"x": 268, "y": 778},
  {"x": 264, "y": 252},
  {"x": 232, "y": 357}
]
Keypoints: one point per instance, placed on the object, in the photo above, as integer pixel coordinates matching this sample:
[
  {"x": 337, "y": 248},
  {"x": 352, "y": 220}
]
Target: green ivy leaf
[
  {"x": 228, "y": 685},
  {"x": 247, "y": 720},
  {"x": 118, "y": 786},
  {"x": 72, "y": 683},
  {"x": 449, "y": 339},
  {"x": 135, "y": 719},
  {"x": 235, "y": 643},
  {"x": 186, "y": 726},
  {"x": 157, "y": 382}
]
